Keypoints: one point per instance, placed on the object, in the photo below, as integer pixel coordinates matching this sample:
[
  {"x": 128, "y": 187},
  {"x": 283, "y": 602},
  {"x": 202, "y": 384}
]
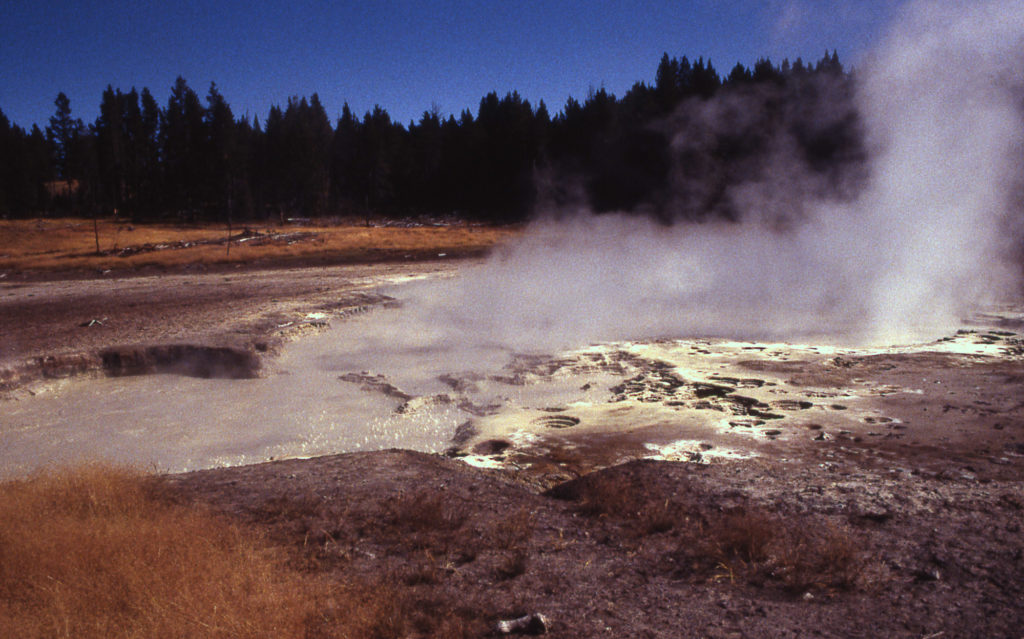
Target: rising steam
[{"x": 924, "y": 238}]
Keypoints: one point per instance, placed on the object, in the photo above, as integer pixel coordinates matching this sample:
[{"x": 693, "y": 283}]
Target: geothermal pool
[
  {"x": 392, "y": 378},
  {"x": 350, "y": 388}
]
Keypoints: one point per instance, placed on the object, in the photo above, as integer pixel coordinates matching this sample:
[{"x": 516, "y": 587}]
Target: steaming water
[
  {"x": 178, "y": 423},
  {"x": 301, "y": 408}
]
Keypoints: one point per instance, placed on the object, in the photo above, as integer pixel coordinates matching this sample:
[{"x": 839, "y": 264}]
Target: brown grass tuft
[
  {"x": 513, "y": 563},
  {"x": 642, "y": 508},
  {"x": 605, "y": 495},
  {"x": 745, "y": 536},
  {"x": 757, "y": 545},
  {"x": 104, "y": 552},
  {"x": 826, "y": 557},
  {"x": 425, "y": 520},
  {"x": 514, "y": 531}
]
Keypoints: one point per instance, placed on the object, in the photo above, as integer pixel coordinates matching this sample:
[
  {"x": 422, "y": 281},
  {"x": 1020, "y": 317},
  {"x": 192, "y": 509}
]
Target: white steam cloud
[{"x": 924, "y": 240}]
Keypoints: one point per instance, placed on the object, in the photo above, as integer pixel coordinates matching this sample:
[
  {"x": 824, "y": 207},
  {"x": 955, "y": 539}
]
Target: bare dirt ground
[
  {"x": 192, "y": 298},
  {"x": 222, "y": 320},
  {"x": 891, "y": 505}
]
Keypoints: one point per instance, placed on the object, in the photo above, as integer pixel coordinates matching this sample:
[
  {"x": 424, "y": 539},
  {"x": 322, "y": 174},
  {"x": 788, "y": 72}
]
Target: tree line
[{"x": 674, "y": 148}]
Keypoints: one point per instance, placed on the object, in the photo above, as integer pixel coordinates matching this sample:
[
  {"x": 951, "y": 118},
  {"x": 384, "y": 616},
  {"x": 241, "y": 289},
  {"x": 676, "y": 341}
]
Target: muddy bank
[
  {"x": 193, "y": 360},
  {"x": 205, "y": 324}
]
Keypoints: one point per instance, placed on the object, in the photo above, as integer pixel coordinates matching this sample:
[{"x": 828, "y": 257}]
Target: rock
[
  {"x": 466, "y": 431},
  {"x": 419, "y": 403},
  {"x": 376, "y": 383},
  {"x": 532, "y": 624},
  {"x": 873, "y": 512}
]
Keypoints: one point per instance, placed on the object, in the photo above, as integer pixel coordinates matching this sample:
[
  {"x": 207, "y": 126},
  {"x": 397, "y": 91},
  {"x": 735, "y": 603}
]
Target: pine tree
[
  {"x": 150, "y": 169},
  {"x": 220, "y": 153},
  {"x": 111, "y": 150},
  {"x": 182, "y": 133},
  {"x": 62, "y": 135}
]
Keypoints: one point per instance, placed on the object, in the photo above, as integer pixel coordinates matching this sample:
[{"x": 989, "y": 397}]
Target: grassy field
[
  {"x": 71, "y": 244},
  {"x": 105, "y": 552}
]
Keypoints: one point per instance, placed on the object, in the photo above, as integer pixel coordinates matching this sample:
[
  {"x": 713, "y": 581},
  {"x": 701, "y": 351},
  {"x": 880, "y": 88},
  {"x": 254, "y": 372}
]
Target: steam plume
[{"x": 923, "y": 240}]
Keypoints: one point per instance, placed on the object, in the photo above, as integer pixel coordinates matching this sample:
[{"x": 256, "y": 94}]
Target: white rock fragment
[{"x": 533, "y": 624}]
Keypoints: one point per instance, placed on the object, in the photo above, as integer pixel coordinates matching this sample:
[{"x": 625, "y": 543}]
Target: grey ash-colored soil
[
  {"x": 647, "y": 549},
  {"x": 875, "y": 532},
  {"x": 194, "y": 321}
]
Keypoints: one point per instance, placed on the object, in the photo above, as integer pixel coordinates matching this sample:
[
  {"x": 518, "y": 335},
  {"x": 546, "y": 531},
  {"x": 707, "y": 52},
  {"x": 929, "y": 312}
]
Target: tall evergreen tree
[
  {"x": 182, "y": 134},
  {"x": 377, "y": 152},
  {"x": 150, "y": 169},
  {"x": 63, "y": 136},
  {"x": 112, "y": 150},
  {"x": 220, "y": 153},
  {"x": 344, "y": 189},
  {"x": 25, "y": 168}
]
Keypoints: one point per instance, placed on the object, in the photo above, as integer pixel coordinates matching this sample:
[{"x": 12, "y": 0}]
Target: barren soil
[
  {"x": 868, "y": 514},
  {"x": 78, "y": 297},
  {"x": 184, "y": 321}
]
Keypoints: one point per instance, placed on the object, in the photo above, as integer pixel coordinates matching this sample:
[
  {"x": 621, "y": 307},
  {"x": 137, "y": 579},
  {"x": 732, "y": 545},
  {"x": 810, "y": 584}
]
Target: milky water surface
[
  {"x": 299, "y": 408},
  {"x": 395, "y": 376}
]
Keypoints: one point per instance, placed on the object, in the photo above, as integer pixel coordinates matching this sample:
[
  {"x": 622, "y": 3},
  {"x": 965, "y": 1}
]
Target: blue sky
[{"x": 406, "y": 56}]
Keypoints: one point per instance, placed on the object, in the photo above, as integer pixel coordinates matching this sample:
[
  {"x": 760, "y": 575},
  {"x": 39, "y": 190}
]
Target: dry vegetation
[
  {"x": 105, "y": 552},
  {"x": 740, "y": 543},
  {"x": 398, "y": 544},
  {"x": 100, "y": 552},
  {"x": 70, "y": 244}
]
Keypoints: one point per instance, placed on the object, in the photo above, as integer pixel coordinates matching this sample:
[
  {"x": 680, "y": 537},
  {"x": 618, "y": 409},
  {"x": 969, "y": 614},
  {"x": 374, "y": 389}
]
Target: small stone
[{"x": 532, "y": 624}]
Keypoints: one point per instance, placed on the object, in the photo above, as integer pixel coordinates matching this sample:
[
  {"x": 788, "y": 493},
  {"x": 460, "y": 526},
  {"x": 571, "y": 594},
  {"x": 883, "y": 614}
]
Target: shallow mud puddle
[{"x": 384, "y": 379}]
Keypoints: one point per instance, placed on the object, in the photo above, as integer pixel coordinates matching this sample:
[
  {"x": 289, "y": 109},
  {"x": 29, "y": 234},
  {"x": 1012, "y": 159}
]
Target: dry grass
[
  {"x": 426, "y": 520},
  {"x": 644, "y": 510},
  {"x": 514, "y": 531},
  {"x": 749, "y": 544},
  {"x": 102, "y": 552},
  {"x": 513, "y": 563},
  {"x": 57, "y": 244},
  {"x": 756, "y": 545},
  {"x": 825, "y": 557}
]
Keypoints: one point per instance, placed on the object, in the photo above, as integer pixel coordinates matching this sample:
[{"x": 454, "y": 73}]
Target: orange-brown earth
[
  {"x": 891, "y": 506},
  {"x": 74, "y": 247}
]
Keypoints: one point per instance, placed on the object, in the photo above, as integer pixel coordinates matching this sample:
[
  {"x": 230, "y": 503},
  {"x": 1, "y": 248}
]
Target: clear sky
[{"x": 405, "y": 55}]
